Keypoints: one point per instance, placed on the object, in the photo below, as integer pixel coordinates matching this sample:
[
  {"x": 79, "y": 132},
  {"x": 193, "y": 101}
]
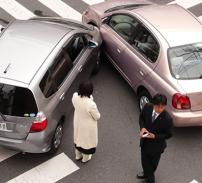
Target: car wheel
[
  {"x": 143, "y": 98},
  {"x": 98, "y": 63},
  {"x": 57, "y": 138}
]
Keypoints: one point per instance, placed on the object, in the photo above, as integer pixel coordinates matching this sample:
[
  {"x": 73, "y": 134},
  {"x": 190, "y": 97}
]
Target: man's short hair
[{"x": 159, "y": 99}]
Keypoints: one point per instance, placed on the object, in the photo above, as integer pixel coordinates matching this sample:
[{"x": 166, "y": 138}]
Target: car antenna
[{"x": 7, "y": 68}]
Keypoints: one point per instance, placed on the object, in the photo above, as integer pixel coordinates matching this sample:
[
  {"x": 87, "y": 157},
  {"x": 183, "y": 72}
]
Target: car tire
[
  {"x": 57, "y": 138},
  {"x": 143, "y": 98}
]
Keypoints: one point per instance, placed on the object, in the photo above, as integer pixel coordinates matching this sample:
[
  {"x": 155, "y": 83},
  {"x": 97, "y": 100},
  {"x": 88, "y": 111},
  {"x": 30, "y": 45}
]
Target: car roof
[
  {"x": 25, "y": 45},
  {"x": 177, "y": 25}
]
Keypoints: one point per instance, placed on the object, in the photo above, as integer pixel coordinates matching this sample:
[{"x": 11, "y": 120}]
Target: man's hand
[
  {"x": 150, "y": 136},
  {"x": 143, "y": 131}
]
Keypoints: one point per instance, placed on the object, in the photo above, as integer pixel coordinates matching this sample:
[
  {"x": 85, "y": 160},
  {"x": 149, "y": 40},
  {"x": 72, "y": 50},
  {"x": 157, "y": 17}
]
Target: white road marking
[
  {"x": 194, "y": 181},
  {"x": 50, "y": 171},
  {"x": 91, "y": 2},
  {"x": 62, "y": 9},
  {"x": 16, "y": 9},
  {"x": 6, "y": 153},
  {"x": 186, "y": 3}
]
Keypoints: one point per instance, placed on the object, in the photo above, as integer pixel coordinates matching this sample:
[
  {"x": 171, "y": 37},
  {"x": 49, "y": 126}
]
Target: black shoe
[
  {"x": 140, "y": 175},
  {"x": 142, "y": 181}
]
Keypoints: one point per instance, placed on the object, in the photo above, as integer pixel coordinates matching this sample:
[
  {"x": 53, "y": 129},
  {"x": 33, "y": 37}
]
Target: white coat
[{"x": 86, "y": 115}]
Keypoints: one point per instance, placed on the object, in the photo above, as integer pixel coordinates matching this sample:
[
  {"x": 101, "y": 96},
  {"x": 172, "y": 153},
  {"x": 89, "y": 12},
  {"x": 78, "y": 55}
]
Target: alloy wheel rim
[
  {"x": 143, "y": 100},
  {"x": 58, "y": 136}
]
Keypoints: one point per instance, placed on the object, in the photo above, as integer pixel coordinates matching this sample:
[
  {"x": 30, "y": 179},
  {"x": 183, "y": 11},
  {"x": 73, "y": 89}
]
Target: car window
[
  {"x": 146, "y": 44},
  {"x": 186, "y": 61},
  {"x": 124, "y": 25},
  {"x": 76, "y": 47},
  {"x": 56, "y": 74},
  {"x": 17, "y": 101}
]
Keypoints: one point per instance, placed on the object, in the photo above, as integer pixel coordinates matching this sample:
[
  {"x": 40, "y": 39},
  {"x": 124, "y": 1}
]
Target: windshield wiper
[
  {"x": 3, "y": 117},
  {"x": 191, "y": 52}
]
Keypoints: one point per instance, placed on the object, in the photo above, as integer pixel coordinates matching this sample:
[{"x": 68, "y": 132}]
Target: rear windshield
[
  {"x": 186, "y": 61},
  {"x": 17, "y": 101}
]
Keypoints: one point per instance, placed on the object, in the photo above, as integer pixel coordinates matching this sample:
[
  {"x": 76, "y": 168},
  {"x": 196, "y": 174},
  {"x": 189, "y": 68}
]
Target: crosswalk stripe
[
  {"x": 186, "y": 3},
  {"x": 62, "y": 9},
  {"x": 194, "y": 181},
  {"x": 91, "y": 2},
  {"x": 37, "y": 8},
  {"x": 15, "y": 9},
  {"x": 6, "y": 153},
  {"x": 50, "y": 171}
]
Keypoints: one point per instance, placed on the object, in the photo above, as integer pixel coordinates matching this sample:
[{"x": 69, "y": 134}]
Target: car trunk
[
  {"x": 17, "y": 111},
  {"x": 193, "y": 89}
]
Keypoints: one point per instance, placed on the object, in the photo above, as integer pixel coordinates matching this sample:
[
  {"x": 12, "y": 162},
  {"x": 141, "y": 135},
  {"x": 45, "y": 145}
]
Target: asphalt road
[{"x": 117, "y": 159}]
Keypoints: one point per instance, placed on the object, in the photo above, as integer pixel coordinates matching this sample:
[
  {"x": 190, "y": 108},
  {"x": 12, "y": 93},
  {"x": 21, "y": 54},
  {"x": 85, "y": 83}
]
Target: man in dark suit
[{"x": 155, "y": 127}]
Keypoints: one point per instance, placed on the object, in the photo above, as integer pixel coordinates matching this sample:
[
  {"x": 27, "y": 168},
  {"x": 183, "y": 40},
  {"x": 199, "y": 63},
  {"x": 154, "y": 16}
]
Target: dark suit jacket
[{"x": 161, "y": 127}]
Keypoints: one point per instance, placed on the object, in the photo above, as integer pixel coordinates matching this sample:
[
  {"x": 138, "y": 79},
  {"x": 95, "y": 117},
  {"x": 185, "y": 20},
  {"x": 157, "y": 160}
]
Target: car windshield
[
  {"x": 186, "y": 61},
  {"x": 17, "y": 101}
]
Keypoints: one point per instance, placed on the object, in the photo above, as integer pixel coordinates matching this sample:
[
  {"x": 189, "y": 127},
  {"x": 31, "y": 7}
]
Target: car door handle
[
  {"x": 118, "y": 50},
  {"x": 141, "y": 73},
  {"x": 62, "y": 96},
  {"x": 80, "y": 68}
]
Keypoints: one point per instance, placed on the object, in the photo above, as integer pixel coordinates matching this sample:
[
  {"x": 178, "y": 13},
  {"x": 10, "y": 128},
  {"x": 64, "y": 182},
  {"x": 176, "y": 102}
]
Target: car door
[
  {"x": 72, "y": 65},
  {"x": 141, "y": 54},
  {"x": 83, "y": 60},
  {"x": 118, "y": 30}
]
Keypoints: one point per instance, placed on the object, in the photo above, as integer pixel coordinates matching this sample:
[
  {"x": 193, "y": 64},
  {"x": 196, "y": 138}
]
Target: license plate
[{"x": 3, "y": 127}]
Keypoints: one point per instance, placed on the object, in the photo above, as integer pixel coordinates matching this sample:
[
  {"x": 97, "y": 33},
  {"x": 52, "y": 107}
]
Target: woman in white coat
[{"x": 86, "y": 115}]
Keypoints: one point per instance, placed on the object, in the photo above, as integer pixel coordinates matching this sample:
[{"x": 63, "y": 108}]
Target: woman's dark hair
[
  {"x": 85, "y": 89},
  {"x": 159, "y": 99}
]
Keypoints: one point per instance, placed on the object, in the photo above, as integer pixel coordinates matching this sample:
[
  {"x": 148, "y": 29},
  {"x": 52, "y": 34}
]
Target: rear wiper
[{"x": 3, "y": 117}]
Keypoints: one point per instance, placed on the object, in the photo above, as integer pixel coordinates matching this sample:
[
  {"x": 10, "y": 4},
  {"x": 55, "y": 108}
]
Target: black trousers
[{"x": 149, "y": 165}]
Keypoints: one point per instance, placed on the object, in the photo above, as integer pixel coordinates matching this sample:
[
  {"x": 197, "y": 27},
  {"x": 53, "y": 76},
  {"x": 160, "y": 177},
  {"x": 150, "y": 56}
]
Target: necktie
[{"x": 154, "y": 117}]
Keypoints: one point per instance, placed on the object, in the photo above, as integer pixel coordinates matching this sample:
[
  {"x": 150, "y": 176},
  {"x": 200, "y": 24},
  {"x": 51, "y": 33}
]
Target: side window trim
[
  {"x": 70, "y": 42},
  {"x": 62, "y": 54},
  {"x": 153, "y": 37},
  {"x": 50, "y": 80},
  {"x": 123, "y": 14}
]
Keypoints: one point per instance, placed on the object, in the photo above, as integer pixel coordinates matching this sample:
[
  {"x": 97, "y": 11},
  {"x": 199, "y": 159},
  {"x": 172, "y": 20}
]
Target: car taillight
[
  {"x": 40, "y": 123},
  {"x": 181, "y": 101}
]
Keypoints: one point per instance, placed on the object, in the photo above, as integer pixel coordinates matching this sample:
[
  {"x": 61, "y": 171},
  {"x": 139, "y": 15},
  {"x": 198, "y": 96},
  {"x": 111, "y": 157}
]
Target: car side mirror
[
  {"x": 1, "y": 28},
  {"x": 92, "y": 44},
  {"x": 105, "y": 20}
]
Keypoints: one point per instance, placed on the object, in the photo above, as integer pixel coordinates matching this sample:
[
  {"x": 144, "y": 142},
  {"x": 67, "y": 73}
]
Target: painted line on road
[
  {"x": 50, "y": 171},
  {"x": 186, "y": 4},
  {"x": 62, "y": 9},
  {"x": 91, "y": 2},
  {"x": 194, "y": 181},
  {"x": 16, "y": 9},
  {"x": 6, "y": 153}
]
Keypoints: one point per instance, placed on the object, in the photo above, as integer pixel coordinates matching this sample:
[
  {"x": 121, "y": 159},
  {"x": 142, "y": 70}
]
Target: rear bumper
[
  {"x": 187, "y": 118},
  {"x": 34, "y": 143}
]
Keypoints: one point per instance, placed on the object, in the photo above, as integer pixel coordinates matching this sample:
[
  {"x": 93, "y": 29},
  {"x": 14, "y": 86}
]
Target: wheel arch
[{"x": 142, "y": 88}]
